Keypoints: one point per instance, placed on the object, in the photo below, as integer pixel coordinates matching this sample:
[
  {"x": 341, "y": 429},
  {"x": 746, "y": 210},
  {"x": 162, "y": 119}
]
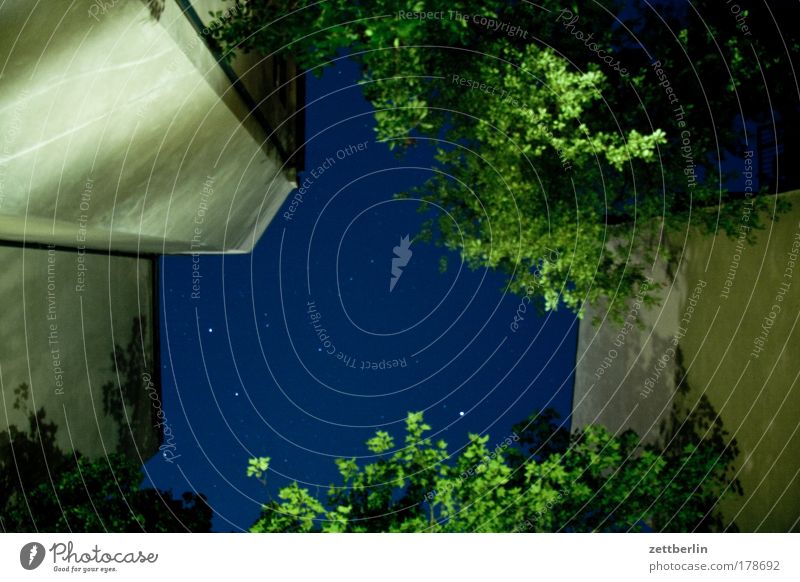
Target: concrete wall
[
  {"x": 713, "y": 345},
  {"x": 121, "y": 131},
  {"x": 625, "y": 375},
  {"x": 275, "y": 84},
  {"x": 63, "y": 315}
]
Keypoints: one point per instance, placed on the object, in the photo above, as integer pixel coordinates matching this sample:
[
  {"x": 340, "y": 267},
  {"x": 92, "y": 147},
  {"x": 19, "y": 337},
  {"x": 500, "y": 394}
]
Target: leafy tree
[
  {"x": 559, "y": 167},
  {"x": 539, "y": 478},
  {"x": 45, "y": 489}
]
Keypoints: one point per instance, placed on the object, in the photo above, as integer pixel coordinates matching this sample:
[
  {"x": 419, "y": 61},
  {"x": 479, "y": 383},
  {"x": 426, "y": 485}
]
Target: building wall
[
  {"x": 78, "y": 330},
  {"x": 275, "y": 84},
  {"x": 119, "y": 131},
  {"x": 616, "y": 363},
  {"x": 714, "y": 310}
]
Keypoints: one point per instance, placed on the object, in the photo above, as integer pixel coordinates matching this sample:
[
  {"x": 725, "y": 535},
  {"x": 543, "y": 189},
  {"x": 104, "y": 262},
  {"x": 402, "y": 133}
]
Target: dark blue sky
[{"x": 245, "y": 374}]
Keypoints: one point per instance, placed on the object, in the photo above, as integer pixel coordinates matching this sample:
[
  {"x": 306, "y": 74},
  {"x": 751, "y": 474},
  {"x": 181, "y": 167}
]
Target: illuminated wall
[{"x": 121, "y": 131}]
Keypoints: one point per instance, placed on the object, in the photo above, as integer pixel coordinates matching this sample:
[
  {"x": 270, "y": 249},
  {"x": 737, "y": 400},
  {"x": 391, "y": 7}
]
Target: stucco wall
[
  {"x": 121, "y": 131},
  {"x": 723, "y": 342},
  {"x": 63, "y": 315}
]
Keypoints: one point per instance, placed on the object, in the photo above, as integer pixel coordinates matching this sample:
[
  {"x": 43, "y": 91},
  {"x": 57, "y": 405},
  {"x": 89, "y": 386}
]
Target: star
[
  {"x": 461, "y": 413},
  {"x": 210, "y": 330}
]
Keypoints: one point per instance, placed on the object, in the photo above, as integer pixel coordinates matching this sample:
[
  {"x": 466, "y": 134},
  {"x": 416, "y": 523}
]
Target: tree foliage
[
  {"x": 542, "y": 145},
  {"x": 44, "y": 489},
  {"x": 540, "y": 478}
]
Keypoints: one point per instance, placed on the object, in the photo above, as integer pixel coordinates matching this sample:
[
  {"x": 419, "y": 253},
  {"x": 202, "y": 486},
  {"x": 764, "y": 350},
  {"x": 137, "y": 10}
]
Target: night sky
[{"x": 245, "y": 373}]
